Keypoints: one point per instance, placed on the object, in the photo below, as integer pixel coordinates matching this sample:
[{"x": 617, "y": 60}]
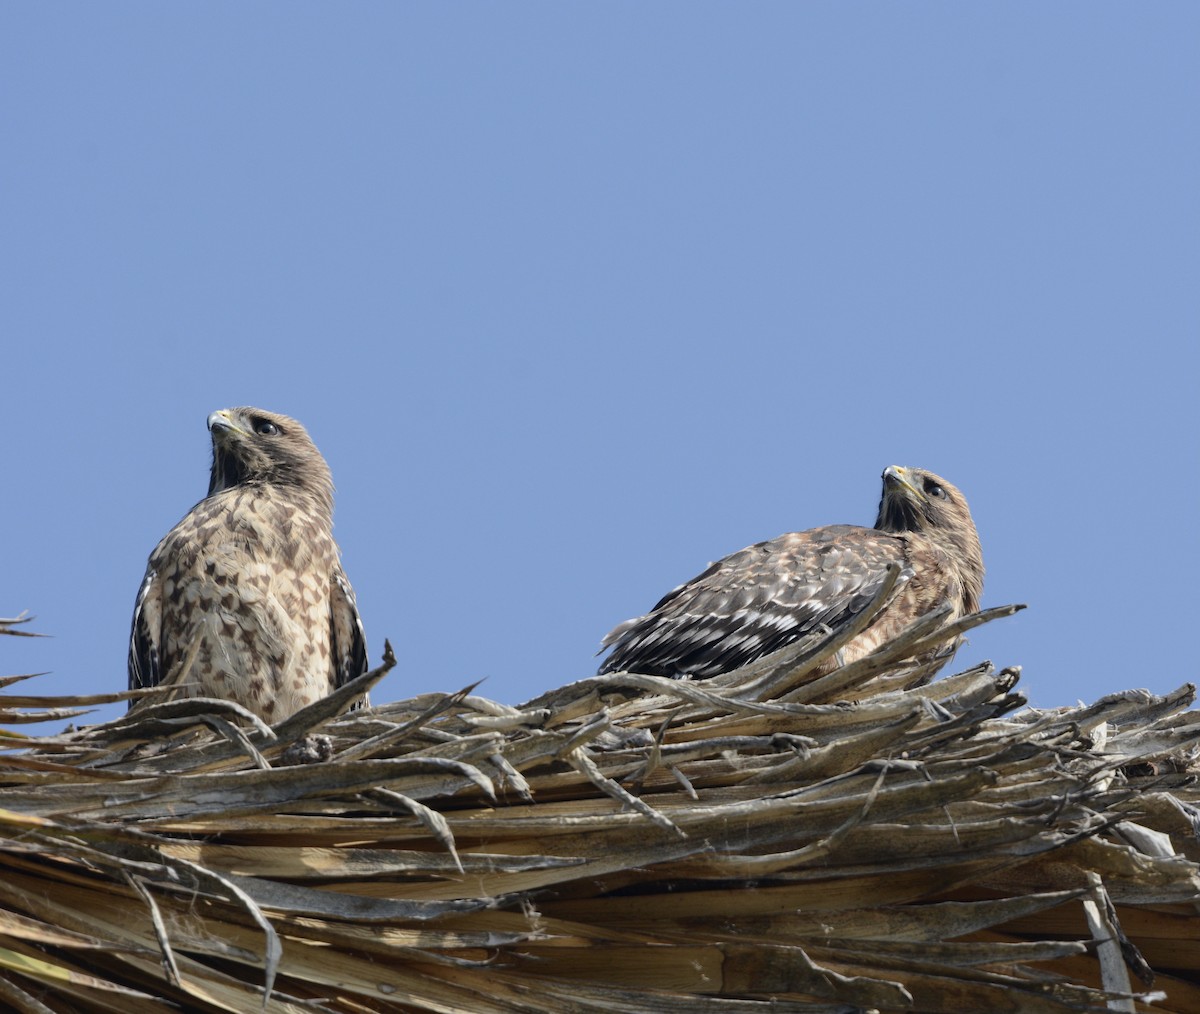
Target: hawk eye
[
  {"x": 265, "y": 428},
  {"x": 934, "y": 490}
]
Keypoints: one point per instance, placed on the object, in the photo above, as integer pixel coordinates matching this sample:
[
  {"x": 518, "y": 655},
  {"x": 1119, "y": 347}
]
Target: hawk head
[
  {"x": 255, "y": 447},
  {"x": 918, "y": 501}
]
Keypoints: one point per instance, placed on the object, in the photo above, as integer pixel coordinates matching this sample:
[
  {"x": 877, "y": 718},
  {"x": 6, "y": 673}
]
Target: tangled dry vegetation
[{"x": 864, "y": 840}]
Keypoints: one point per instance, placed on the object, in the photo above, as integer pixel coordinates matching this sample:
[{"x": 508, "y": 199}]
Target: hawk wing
[
  {"x": 145, "y": 667},
  {"x": 348, "y": 642},
  {"x": 756, "y": 601}
]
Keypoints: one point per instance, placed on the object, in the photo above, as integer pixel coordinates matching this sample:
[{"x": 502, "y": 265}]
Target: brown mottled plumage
[
  {"x": 245, "y": 599},
  {"x": 773, "y": 593}
]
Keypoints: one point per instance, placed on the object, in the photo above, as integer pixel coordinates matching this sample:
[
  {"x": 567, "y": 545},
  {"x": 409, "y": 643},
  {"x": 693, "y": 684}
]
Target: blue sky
[{"x": 576, "y": 298}]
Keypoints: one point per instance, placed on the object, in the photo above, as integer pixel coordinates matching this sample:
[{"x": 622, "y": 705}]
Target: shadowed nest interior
[{"x": 763, "y": 840}]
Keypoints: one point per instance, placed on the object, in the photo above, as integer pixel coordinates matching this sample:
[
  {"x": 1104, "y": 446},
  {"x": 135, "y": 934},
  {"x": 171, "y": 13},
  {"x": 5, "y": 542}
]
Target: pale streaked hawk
[{"x": 245, "y": 599}]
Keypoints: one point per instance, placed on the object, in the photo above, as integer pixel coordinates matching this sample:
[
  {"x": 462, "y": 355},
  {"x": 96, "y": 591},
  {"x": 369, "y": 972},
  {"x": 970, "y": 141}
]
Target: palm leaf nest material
[{"x": 865, "y": 840}]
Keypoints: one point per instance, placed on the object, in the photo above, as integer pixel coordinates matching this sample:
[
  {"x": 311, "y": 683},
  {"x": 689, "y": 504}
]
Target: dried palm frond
[{"x": 756, "y": 841}]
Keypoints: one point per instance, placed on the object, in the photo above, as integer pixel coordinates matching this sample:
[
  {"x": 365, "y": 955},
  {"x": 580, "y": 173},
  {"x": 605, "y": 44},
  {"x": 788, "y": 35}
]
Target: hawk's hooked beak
[
  {"x": 222, "y": 421},
  {"x": 227, "y": 469},
  {"x": 903, "y": 505},
  {"x": 897, "y": 479}
]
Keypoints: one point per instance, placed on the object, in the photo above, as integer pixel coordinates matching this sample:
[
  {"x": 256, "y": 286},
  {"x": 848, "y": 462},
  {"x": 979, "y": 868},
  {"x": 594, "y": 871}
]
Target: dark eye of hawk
[
  {"x": 934, "y": 490},
  {"x": 265, "y": 428}
]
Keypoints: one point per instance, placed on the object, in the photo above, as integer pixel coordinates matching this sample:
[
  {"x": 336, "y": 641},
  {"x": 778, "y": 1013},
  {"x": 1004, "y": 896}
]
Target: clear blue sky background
[{"x": 575, "y": 298}]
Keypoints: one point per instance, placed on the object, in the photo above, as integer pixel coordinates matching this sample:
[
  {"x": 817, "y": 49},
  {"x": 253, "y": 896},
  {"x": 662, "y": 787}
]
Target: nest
[{"x": 765, "y": 840}]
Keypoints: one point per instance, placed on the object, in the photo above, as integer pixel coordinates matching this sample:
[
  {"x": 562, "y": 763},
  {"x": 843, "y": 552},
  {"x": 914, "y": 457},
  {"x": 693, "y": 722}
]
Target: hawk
[
  {"x": 773, "y": 593},
  {"x": 245, "y": 599}
]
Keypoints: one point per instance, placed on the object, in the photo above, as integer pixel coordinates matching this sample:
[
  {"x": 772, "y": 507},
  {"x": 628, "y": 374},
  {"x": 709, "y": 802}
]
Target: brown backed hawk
[
  {"x": 770, "y": 594},
  {"x": 245, "y": 599}
]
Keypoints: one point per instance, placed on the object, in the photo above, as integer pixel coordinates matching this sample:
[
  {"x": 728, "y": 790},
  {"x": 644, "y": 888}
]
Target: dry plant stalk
[{"x": 758, "y": 841}]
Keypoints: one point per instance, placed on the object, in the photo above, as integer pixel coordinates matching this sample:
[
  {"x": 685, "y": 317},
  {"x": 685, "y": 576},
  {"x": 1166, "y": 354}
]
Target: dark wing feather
[
  {"x": 348, "y": 640},
  {"x": 756, "y": 601},
  {"x": 145, "y": 668}
]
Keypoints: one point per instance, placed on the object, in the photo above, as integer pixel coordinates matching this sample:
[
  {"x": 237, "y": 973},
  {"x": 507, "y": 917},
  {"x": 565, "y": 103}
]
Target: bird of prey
[
  {"x": 245, "y": 599},
  {"x": 770, "y": 594}
]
